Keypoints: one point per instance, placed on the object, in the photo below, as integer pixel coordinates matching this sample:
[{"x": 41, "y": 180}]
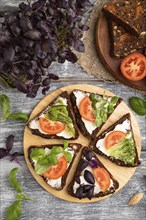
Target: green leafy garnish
[
  {"x": 14, "y": 211},
  {"x": 124, "y": 151},
  {"x": 59, "y": 113},
  {"x": 44, "y": 160},
  {"x": 102, "y": 107},
  {"x": 5, "y": 110},
  {"x": 138, "y": 105},
  {"x": 14, "y": 182}
]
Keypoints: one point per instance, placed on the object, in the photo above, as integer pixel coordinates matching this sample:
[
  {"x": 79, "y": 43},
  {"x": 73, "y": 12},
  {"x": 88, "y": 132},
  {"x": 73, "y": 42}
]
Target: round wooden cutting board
[{"x": 122, "y": 174}]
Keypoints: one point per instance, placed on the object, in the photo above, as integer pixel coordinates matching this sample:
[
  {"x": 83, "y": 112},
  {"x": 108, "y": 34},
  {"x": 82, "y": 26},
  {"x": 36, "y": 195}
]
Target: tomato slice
[
  {"x": 133, "y": 66},
  {"x": 54, "y": 172},
  {"x": 102, "y": 177},
  {"x": 113, "y": 138},
  {"x": 86, "y": 110},
  {"x": 51, "y": 127}
]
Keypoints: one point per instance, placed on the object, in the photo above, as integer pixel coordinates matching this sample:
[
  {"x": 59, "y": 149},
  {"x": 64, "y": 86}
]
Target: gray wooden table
[{"x": 46, "y": 206}]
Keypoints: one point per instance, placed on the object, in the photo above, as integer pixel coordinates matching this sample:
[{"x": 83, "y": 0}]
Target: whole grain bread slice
[
  {"x": 123, "y": 42},
  {"x": 36, "y": 130},
  {"x": 84, "y": 183},
  {"x": 98, "y": 145},
  {"x": 72, "y": 147},
  {"x": 130, "y": 14},
  {"x": 79, "y": 120}
]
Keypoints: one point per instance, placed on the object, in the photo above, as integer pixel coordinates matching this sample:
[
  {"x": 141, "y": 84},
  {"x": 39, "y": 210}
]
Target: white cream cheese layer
[
  {"x": 124, "y": 127},
  {"x": 57, "y": 182},
  {"x": 34, "y": 124},
  {"x": 97, "y": 188}
]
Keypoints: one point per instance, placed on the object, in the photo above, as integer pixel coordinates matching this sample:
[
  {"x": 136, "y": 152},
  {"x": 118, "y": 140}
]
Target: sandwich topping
[
  {"x": 52, "y": 163},
  {"x": 55, "y": 120},
  {"x": 119, "y": 143},
  {"x": 94, "y": 109},
  {"x": 92, "y": 179}
]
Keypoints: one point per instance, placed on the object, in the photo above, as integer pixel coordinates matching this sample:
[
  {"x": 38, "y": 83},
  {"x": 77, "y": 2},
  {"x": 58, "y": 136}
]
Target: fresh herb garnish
[
  {"x": 4, "y": 152},
  {"x": 138, "y": 105},
  {"x": 14, "y": 211},
  {"x": 60, "y": 113},
  {"x": 44, "y": 160},
  {"x": 102, "y": 107},
  {"x": 124, "y": 151},
  {"x": 5, "y": 110}
]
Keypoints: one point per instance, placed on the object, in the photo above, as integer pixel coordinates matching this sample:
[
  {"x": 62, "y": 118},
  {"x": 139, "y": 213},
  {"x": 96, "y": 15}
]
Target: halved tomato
[
  {"x": 133, "y": 66},
  {"x": 54, "y": 172},
  {"x": 113, "y": 138},
  {"x": 51, "y": 127},
  {"x": 86, "y": 110},
  {"x": 102, "y": 177}
]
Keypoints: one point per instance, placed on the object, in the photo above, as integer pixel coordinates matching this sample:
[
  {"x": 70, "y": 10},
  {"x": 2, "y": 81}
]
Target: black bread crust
[
  {"x": 77, "y": 173},
  {"x": 64, "y": 177},
  {"x": 102, "y": 135},
  {"x": 71, "y": 115},
  {"x": 79, "y": 121}
]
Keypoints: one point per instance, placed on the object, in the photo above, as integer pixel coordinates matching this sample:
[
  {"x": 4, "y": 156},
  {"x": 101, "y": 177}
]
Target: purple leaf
[
  {"x": 9, "y": 142},
  {"x": 3, "y": 153}
]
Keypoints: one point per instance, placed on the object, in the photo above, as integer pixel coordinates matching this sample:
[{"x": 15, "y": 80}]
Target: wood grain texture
[{"x": 121, "y": 174}]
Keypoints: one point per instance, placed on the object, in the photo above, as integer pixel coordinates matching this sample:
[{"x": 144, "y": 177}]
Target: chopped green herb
[{"x": 138, "y": 105}]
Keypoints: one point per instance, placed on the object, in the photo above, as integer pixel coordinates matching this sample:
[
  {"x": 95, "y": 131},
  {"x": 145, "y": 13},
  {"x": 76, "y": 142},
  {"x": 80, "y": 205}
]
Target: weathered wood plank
[{"x": 47, "y": 206}]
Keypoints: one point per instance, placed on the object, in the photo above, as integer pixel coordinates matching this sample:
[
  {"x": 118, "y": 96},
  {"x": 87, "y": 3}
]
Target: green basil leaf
[
  {"x": 22, "y": 196},
  {"x": 14, "y": 211},
  {"x": 52, "y": 159},
  {"x": 4, "y": 107},
  {"x": 56, "y": 150},
  {"x": 44, "y": 161},
  {"x": 68, "y": 156},
  {"x": 65, "y": 143},
  {"x": 138, "y": 105},
  {"x": 98, "y": 121},
  {"x": 14, "y": 182},
  {"x": 18, "y": 116},
  {"x": 114, "y": 100},
  {"x": 110, "y": 109},
  {"x": 37, "y": 154},
  {"x": 59, "y": 100},
  {"x": 40, "y": 169},
  {"x": 70, "y": 129}
]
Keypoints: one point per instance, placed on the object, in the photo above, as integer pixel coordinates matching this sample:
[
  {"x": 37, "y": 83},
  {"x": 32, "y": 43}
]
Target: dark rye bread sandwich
[
  {"x": 123, "y": 42},
  {"x": 53, "y": 162},
  {"x": 117, "y": 143},
  {"x": 92, "y": 110},
  {"x": 56, "y": 120},
  {"x": 130, "y": 14},
  {"x": 91, "y": 178}
]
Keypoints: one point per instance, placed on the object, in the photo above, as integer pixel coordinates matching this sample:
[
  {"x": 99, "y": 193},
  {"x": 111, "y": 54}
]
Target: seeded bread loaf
[
  {"x": 130, "y": 14},
  {"x": 123, "y": 42},
  {"x": 91, "y": 178},
  {"x": 99, "y": 143}
]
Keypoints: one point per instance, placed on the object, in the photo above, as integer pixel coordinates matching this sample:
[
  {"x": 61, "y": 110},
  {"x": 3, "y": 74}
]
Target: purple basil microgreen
[
  {"x": 3, "y": 153},
  {"x": 36, "y": 35},
  {"x": 9, "y": 142}
]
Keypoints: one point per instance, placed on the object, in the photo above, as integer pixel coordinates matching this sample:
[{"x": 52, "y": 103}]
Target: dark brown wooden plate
[{"x": 110, "y": 63}]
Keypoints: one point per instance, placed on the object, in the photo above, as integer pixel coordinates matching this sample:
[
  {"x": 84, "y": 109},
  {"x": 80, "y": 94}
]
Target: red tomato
[
  {"x": 54, "y": 172},
  {"x": 113, "y": 138},
  {"x": 51, "y": 127},
  {"x": 133, "y": 66},
  {"x": 86, "y": 110},
  {"x": 102, "y": 177}
]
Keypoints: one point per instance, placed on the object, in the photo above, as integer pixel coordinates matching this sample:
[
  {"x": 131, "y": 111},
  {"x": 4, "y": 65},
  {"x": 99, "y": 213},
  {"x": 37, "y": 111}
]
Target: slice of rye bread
[
  {"x": 123, "y": 42},
  {"x": 72, "y": 146},
  {"x": 52, "y": 136},
  {"x": 84, "y": 184},
  {"x": 129, "y": 14},
  {"x": 111, "y": 158},
  {"x": 80, "y": 123}
]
